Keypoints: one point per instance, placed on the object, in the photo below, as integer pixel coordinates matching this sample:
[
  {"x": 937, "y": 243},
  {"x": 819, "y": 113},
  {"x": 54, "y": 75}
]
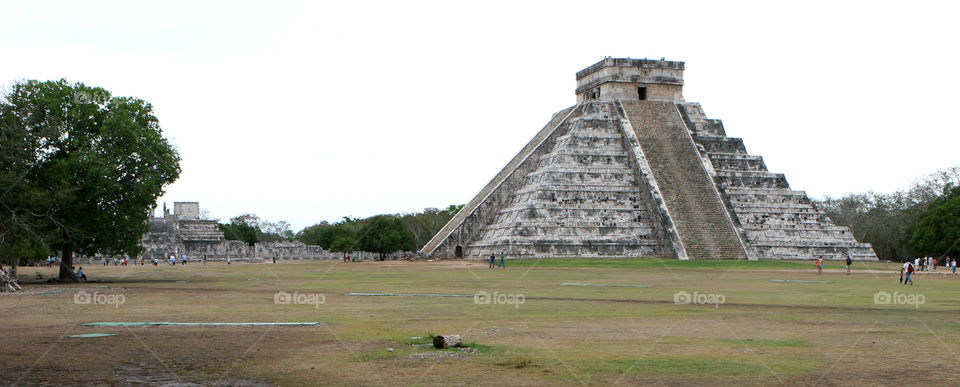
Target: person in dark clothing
[
  {"x": 493, "y": 258},
  {"x": 849, "y": 261}
]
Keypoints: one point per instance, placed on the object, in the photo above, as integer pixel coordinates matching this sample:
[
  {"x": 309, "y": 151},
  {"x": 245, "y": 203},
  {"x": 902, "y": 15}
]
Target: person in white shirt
[{"x": 907, "y": 268}]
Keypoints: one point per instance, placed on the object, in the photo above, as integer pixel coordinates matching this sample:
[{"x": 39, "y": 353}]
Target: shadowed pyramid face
[{"x": 632, "y": 170}]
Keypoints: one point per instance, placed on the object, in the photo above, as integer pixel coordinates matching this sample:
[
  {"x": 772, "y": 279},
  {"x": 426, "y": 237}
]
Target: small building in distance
[{"x": 184, "y": 232}]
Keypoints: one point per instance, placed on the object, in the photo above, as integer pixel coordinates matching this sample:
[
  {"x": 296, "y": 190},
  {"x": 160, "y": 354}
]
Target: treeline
[
  {"x": 923, "y": 220},
  {"x": 251, "y": 229},
  {"x": 382, "y": 234}
]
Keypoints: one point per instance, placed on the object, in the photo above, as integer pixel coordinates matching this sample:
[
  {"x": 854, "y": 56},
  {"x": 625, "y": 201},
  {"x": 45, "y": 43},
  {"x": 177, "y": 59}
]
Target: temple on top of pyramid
[{"x": 633, "y": 170}]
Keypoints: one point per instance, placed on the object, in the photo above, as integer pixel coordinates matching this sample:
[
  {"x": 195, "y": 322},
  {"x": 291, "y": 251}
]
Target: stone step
[{"x": 699, "y": 215}]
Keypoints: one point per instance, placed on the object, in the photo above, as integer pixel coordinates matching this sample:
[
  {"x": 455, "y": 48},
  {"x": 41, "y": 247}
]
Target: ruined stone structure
[
  {"x": 184, "y": 232},
  {"x": 633, "y": 170}
]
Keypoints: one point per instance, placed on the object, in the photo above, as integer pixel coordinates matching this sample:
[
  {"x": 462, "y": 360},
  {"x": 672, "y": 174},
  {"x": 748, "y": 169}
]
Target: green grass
[
  {"x": 660, "y": 263},
  {"x": 766, "y": 342},
  {"x": 561, "y": 335}
]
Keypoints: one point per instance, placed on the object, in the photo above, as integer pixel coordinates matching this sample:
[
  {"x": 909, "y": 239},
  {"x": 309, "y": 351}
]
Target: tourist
[
  {"x": 916, "y": 262},
  {"x": 953, "y": 263},
  {"x": 849, "y": 261},
  {"x": 502, "y": 256},
  {"x": 902, "y": 269},
  {"x": 228, "y": 261},
  {"x": 204, "y": 259},
  {"x": 908, "y": 268},
  {"x": 183, "y": 258},
  {"x": 820, "y": 265},
  {"x": 155, "y": 261},
  {"x": 493, "y": 259},
  {"x": 80, "y": 275}
]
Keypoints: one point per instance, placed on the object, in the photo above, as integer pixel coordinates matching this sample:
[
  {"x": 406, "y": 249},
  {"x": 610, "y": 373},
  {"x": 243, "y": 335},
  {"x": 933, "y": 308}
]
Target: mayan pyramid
[{"x": 633, "y": 170}]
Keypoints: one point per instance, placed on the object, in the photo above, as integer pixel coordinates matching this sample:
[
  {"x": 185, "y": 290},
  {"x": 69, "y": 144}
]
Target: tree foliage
[
  {"x": 252, "y": 230},
  {"x": 381, "y": 234},
  {"x": 94, "y": 166},
  {"x": 385, "y": 234},
  {"x": 937, "y": 231},
  {"x": 888, "y": 220}
]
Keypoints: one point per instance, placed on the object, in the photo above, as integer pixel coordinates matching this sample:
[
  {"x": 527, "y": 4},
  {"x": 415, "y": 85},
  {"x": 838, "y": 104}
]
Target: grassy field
[{"x": 704, "y": 322}]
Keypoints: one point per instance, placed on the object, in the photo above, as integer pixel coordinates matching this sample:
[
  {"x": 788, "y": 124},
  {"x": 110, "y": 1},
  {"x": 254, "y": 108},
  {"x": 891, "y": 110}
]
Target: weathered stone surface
[
  {"x": 582, "y": 199},
  {"x": 634, "y": 170}
]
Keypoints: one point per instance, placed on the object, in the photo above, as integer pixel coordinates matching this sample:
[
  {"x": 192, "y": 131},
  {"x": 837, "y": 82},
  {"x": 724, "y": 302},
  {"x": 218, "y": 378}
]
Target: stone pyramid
[{"x": 633, "y": 170}]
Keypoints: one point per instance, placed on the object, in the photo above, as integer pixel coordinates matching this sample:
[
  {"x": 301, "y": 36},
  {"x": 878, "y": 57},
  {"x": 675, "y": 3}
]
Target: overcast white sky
[{"x": 310, "y": 112}]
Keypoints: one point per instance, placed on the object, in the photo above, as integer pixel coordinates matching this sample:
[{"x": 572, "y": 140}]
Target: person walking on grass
[
  {"x": 902, "y": 269},
  {"x": 820, "y": 265},
  {"x": 908, "y": 268},
  {"x": 493, "y": 259},
  {"x": 502, "y": 264},
  {"x": 849, "y": 261},
  {"x": 953, "y": 263}
]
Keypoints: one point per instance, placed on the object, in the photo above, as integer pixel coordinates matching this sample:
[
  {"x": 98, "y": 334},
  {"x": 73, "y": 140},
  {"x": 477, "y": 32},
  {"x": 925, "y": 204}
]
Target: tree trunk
[
  {"x": 447, "y": 341},
  {"x": 13, "y": 260},
  {"x": 66, "y": 262}
]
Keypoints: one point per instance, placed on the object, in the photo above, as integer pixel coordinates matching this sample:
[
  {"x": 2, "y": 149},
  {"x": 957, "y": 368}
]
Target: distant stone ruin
[
  {"x": 633, "y": 170},
  {"x": 184, "y": 232}
]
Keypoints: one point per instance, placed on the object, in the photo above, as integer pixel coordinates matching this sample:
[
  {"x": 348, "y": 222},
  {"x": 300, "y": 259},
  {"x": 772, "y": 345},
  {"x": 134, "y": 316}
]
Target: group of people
[
  {"x": 79, "y": 274},
  {"x": 931, "y": 263},
  {"x": 848, "y": 261},
  {"x": 923, "y": 264},
  {"x": 118, "y": 262},
  {"x": 493, "y": 260}
]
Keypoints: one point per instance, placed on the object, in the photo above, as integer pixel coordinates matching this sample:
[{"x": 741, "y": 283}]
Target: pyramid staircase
[{"x": 702, "y": 222}]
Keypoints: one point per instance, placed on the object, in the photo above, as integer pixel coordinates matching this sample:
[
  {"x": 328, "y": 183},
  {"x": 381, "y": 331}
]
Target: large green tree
[
  {"x": 242, "y": 228},
  {"x": 385, "y": 234},
  {"x": 97, "y": 164},
  {"x": 937, "y": 231}
]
